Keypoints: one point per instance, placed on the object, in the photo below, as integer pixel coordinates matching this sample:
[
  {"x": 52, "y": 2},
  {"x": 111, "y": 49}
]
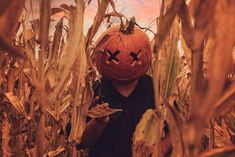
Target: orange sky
[{"x": 145, "y": 11}]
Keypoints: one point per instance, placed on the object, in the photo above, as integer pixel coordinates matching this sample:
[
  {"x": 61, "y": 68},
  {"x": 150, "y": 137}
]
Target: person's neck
[{"x": 125, "y": 89}]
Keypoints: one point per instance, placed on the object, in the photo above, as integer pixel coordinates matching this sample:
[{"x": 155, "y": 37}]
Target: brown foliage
[
  {"x": 52, "y": 84},
  {"x": 204, "y": 24},
  {"x": 45, "y": 81}
]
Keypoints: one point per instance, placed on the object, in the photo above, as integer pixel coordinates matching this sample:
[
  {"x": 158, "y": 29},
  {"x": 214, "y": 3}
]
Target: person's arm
[
  {"x": 93, "y": 131},
  {"x": 94, "y": 127}
]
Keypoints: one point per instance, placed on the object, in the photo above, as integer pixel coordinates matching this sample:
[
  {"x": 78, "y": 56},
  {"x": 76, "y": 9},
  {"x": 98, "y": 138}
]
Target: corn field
[{"x": 47, "y": 73}]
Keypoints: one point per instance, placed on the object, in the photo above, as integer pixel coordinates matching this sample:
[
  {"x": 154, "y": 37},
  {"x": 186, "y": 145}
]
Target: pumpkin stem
[{"x": 129, "y": 27}]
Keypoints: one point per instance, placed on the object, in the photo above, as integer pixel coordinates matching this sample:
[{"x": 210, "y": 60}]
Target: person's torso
[{"x": 116, "y": 138}]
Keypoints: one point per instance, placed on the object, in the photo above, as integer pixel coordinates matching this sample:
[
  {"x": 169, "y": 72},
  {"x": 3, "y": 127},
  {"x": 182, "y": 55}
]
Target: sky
[{"x": 145, "y": 11}]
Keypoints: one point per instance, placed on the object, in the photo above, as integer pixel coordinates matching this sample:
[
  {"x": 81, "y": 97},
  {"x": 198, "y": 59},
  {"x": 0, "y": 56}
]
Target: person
[{"x": 124, "y": 85}]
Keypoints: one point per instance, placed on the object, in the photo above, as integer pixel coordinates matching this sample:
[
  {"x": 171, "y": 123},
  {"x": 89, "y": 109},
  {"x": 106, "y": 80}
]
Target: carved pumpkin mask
[{"x": 123, "y": 57}]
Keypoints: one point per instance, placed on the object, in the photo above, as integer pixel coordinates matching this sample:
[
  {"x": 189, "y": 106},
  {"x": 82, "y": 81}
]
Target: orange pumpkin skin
[{"x": 123, "y": 57}]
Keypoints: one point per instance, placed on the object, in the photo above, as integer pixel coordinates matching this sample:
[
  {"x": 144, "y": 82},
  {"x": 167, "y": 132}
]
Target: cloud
[
  {"x": 57, "y": 3},
  {"x": 143, "y": 10}
]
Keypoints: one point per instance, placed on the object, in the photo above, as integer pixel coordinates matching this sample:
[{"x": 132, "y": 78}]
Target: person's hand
[
  {"x": 103, "y": 119},
  {"x": 94, "y": 126},
  {"x": 102, "y": 111},
  {"x": 97, "y": 110},
  {"x": 95, "y": 101}
]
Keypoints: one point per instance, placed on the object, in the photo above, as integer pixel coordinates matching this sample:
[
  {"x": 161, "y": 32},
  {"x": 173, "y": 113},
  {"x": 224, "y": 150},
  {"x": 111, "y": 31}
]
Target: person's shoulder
[
  {"x": 147, "y": 79},
  {"x": 146, "y": 82}
]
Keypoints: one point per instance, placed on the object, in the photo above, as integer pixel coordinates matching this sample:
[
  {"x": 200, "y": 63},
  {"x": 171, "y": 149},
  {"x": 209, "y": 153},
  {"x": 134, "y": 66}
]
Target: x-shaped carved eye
[
  {"x": 112, "y": 56},
  {"x": 135, "y": 58}
]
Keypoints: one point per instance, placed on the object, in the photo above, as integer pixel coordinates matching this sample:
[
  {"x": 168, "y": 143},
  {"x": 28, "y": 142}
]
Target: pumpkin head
[{"x": 123, "y": 56}]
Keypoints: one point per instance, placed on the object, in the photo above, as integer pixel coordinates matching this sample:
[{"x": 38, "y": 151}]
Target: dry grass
[{"x": 45, "y": 82}]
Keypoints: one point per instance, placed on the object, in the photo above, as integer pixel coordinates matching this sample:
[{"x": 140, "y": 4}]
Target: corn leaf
[
  {"x": 55, "y": 153},
  {"x": 100, "y": 111},
  {"x": 144, "y": 136},
  {"x": 228, "y": 151},
  {"x": 170, "y": 60},
  {"x": 5, "y": 128},
  {"x": 175, "y": 122},
  {"x": 17, "y": 104}
]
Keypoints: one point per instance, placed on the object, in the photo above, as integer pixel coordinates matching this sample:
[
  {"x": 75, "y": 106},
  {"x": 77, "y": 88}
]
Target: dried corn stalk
[
  {"x": 204, "y": 22},
  {"x": 228, "y": 151},
  {"x": 8, "y": 25},
  {"x": 54, "y": 83}
]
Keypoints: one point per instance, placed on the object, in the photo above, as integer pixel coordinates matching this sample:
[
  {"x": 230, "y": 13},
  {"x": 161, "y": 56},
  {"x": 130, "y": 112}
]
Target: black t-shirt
[{"x": 116, "y": 139}]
